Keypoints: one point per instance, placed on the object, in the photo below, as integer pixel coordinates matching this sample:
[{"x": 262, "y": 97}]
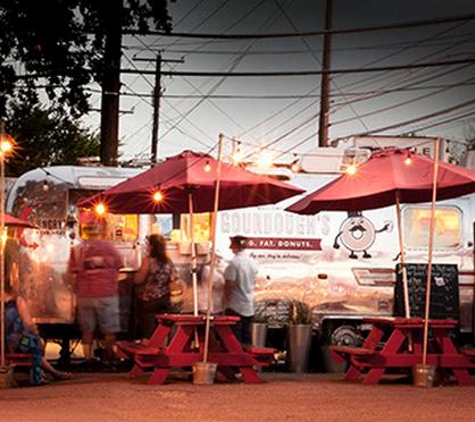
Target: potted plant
[
  {"x": 299, "y": 336},
  {"x": 259, "y": 327}
]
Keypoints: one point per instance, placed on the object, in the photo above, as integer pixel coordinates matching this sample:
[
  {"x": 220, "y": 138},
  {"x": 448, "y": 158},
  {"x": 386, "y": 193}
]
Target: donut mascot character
[{"x": 357, "y": 234}]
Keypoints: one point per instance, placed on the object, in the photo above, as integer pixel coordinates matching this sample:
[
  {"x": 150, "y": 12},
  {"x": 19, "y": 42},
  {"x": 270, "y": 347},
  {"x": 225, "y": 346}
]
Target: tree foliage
[
  {"x": 59, "y": 45},
  {"x": 46, "y": 136}
]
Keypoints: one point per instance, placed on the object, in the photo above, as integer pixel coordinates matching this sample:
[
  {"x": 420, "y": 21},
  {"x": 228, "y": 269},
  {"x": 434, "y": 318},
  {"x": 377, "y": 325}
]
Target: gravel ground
[{"x": 114, "y": 397}]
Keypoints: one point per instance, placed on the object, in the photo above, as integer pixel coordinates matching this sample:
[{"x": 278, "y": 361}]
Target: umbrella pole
[
  {"x": 407, "y": 310},
  {"x": 194, "y": 275},
  {"x": 213, "y": 250},
  {"x": 2, "y": 260},
  {"x": 431, "y": 245}
]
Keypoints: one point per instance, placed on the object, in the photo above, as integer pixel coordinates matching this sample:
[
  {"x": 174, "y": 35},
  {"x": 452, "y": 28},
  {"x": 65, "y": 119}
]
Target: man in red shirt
[{"x": 95, "y": 264}]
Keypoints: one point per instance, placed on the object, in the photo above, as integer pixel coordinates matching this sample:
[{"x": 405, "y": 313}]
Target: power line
[
  {"x": 373, "y": 46},
  {"x": 418, "y": 23},
  {"x": 449, "y": 120},
  {"x": 424, "y": 44},
  {"x": 305, "y": 72},
  {"x": 402, "y": 103},
  {"x": 418, "y": 119},
  {"x": 381, "y": 90},
  {"x": 425, "y": 57}
]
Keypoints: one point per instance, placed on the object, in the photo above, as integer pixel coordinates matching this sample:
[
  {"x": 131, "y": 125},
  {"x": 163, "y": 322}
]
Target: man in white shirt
[{"x": 240, "y": 275}]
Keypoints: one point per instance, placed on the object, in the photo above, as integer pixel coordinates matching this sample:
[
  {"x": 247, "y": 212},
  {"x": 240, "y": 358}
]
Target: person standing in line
[
  {"x": 95, "y": 264},
  {"x": 154, "y": 278},
  {"x": 239, "y": 277}
]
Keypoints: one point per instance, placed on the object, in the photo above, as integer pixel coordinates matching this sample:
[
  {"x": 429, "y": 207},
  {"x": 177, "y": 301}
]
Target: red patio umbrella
[
  {"x": 11, "y": 221},
  {"x": 187, "y": 184},
  {"x": 385, "y": 176},
  {"x": 191, "y": 173}
]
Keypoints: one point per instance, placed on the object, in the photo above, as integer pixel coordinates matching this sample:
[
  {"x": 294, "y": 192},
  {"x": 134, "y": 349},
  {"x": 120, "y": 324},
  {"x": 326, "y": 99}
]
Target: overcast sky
[{"x": 283, "y": 111}]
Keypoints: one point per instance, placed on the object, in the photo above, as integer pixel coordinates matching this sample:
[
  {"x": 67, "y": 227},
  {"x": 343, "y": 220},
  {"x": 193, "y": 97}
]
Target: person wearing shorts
[{"x": 95, "y": 264}]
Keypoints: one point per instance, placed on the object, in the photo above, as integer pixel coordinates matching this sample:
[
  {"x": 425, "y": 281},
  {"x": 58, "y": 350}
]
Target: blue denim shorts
[{"x": 102, "y": 312}]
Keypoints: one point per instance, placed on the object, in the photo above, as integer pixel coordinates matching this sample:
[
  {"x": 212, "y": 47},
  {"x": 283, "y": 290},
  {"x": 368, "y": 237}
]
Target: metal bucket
[
  {"x": 259, "y": 334},
  {"x": 299, "y": 337},
  {"x": 204, "y": 373},
  {"x": 423, "y": 375}
]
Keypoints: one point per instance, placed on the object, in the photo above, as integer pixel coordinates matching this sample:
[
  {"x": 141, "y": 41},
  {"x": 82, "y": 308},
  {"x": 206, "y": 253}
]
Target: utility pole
[
  {"x": 157, "y": 95},
  {"x": 325, "y": 81},
  {"x": 111, "y": 84},
  {"x": 156, "y": 108}
]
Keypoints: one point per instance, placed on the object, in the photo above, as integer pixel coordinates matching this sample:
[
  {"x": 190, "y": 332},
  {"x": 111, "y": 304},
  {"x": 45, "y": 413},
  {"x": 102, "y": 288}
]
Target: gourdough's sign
[{"x": 273, "y": 224}]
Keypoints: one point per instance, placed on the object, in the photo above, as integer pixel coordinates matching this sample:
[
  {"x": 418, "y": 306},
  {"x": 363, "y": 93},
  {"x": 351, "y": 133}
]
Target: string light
[
  {"x": 408, "y": 160},
  {"x": 158, "y": 196},
  {"x": 5, "y": 146},
  {"x": 264, "y": 160},
  {"x": 351, "y": 170},
  {"x": 207, "y": 166},
  {"x": 237, "y": 156},
  {"x": 100, "y": 209}
]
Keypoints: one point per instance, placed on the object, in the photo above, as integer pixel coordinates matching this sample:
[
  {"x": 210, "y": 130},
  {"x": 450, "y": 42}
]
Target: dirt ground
[{"x": 309, "y": 397}]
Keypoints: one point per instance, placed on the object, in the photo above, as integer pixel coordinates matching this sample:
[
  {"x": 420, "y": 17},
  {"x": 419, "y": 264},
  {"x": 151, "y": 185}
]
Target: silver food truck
[{"x": 314, "y": 260}]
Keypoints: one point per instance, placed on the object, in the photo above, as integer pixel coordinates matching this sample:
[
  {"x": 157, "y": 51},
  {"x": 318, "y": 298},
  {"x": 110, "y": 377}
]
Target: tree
[
  {"x": 46, "y": 136},
  {"x": 64, "y": 45}
]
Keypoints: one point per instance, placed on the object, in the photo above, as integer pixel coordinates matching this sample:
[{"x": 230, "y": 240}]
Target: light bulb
[
  {"x": 100, "y": 209},
  {"x": 207, "y": 166},
  {"x": 158, "y": 196},
  {"x": 295, "y": 167},
  {"x": 265, "y": 159},
  {"x": 5, "y": 146},
  {"x": 237, "y": 156},
  {"x": 351, "y": 170}
]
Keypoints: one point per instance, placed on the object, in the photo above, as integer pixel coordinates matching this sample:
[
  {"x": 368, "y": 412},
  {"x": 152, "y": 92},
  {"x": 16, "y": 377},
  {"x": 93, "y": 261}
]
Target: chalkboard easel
[{"x": 444, "y": 298}]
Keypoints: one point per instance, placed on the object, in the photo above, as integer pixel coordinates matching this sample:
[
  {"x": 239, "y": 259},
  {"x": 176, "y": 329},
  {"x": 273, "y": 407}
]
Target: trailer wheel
[{"x": 346, "y": 335}]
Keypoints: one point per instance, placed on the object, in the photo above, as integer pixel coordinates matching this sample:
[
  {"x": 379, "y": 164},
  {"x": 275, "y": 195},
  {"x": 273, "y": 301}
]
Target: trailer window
[
  {"x": 201, "y": 224},
  {"x": 447, "y": 230},
  {"x": 115, "y": 227}
]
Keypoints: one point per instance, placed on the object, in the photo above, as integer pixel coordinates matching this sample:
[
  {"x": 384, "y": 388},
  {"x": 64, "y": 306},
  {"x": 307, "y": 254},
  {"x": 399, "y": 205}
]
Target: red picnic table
[
  {"x": 403, "y": 349},
  {"x": 178, "y": 341}
]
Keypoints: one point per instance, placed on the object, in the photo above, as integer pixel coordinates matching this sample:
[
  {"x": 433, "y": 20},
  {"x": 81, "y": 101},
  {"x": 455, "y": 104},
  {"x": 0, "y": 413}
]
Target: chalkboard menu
[{"x": 444, "y": 297}]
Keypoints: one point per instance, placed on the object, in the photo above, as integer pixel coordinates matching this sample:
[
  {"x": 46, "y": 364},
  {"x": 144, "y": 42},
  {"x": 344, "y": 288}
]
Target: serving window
[
  {"x": 447, "y": 229},
  {"x": 115, "y": 227},
  {"x": 201, "y": 228}
]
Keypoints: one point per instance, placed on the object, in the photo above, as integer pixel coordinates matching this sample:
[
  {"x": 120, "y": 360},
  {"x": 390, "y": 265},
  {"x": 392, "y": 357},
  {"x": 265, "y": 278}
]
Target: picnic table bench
[
  {"x": 14, "y": 360},
  {"x": 178, "y": 342},
  {"x": 403, "y": 349}
]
